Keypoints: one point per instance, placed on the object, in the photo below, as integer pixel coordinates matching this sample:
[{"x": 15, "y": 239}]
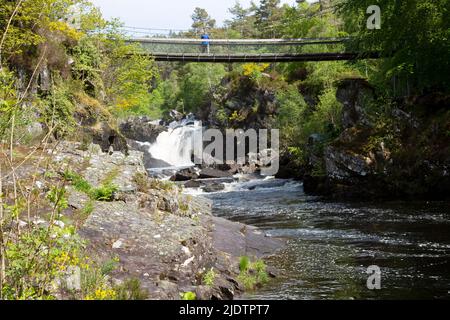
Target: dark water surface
[{"x": 331, "y": 244}]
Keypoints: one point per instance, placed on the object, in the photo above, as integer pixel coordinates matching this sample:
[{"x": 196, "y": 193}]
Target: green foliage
[
  {"x": 291, "y": 112},
  {"x": 242, "y": 21},
  {"x": 244, "y": 264},
  {"x": 128, "y": 81},
  {"x": 209, "y": 277},
  {"x": 8, "y": 99},
  {"x": 57, "y": 196},
  {"x": 327, "y": 116},
  {"x": 131, "y": 290},
  {"x": 58, "y": 107},
  {"x": 267, "y": 18},
  {"x": 202, "y": 21},
  {"x": 38, "y": 258},
  {"x": 94, "y": 280},
  {"x": 252, "y": 274},
  {"x": 188, "y": 296},
  {"x": 88, "y": 62},
  {"x": 22, "y": 33},
  {"x": 87, "y": 210},
  {"x": 413, "y": 53},
  {"x": 103, "y": 193},
  {"x": 78, "y": 182},
  {"x": 197, "y": 81}
]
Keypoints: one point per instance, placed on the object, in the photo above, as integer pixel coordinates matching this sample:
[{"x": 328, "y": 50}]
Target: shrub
[
  {"x": 252, "y": 274},
  {"x": 105, "y": 192},
  {"x": 131, "y": 290}
]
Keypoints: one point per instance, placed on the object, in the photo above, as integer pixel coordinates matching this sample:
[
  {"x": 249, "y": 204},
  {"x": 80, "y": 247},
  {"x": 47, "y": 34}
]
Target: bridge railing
[{"x": 241, "y": 46}]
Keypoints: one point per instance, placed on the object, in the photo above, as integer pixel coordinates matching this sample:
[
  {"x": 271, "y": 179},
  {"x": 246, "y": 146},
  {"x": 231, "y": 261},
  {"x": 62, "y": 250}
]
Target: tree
[
  {"x": 267, "y": 17},
  {"x": 414, "y": 39},
  {"x": 24, "y": 22},
  {"x": 239, "y": 13},
  {"x": 197, "y": 82},
  {"x": 202, "y": 21},
  {"x": 242, "y": 20}
]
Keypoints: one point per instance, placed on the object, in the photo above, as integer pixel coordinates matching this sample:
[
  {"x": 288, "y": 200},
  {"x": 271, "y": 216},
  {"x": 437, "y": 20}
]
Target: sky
[{"x": 165, "y": 14}]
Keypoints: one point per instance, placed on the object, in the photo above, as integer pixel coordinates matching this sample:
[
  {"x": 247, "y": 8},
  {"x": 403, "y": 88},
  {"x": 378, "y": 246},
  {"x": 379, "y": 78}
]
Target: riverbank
[{"x": 155, "y": 233}]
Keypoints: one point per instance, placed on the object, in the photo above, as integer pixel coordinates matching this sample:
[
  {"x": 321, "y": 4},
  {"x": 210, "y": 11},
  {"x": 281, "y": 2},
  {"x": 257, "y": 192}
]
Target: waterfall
[{"x": 176, "y": 146}]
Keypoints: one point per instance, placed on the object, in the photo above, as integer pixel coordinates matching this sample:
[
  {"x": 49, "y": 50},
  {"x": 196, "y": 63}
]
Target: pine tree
[
  {"x": 202, "y": 21},
  {"x": 267, "y": 16}
]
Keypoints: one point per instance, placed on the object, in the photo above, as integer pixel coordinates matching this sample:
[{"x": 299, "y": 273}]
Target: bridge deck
[{"x": 229, "y": 58}]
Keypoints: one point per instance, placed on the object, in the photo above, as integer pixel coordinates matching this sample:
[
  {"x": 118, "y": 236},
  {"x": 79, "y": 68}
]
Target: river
[{"x": 330, "y": 245}]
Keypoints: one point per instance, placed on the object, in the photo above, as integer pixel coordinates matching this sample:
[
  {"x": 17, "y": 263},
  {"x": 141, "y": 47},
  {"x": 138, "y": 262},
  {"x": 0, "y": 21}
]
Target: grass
[
  {"x": 81, "y": 215},
  {"x": 103, "y": 193},
  {"x": 110, "y": 176},
  {"x": 209, "y": 277},
  {"x": 252, "y": 274},
  {"x": 183, "y": 206},
  {"x": 144, "y": 184},
  {"x": 77, "y": 181},
  {"x": 244, "y": 263}
]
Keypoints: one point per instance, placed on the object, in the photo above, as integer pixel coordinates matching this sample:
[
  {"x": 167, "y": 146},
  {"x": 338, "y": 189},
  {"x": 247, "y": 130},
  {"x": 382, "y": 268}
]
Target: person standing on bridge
[{"x": 205, "y": 43}]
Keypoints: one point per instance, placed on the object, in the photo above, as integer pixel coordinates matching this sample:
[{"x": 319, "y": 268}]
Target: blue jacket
[{"x": 206, "y": 37}]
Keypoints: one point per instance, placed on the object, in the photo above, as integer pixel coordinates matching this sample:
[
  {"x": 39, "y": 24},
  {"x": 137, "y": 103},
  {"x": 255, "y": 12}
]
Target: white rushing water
[{"x": 176, "y": 146}]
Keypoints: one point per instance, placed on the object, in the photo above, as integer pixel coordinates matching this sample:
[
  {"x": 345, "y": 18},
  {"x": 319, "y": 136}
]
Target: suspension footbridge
[{"x": 248, "y": 50}]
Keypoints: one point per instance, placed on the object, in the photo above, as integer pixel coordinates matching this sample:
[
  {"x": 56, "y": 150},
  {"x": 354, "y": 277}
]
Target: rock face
[
  {"x": 141, "y": 129},
  {"x": 355, "y": 95},
  {"x": 289, "y": 167},
  {"x": 163, "y": 238},
  {"x": 341, "y": 165},
  {"x": 242, "y": 104},
  {"x": 408, "y": 156}
]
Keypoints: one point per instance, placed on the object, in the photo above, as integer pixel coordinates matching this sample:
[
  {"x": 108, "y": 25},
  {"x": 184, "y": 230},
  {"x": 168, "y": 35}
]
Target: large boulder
[
  {"x": 210, "y": 173},
  {"x": 185, "y": 175},
  {"x": 106, "y": 136},
  {"x": 215, "y": 187},
  {"x": 141, "y": 129}
]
